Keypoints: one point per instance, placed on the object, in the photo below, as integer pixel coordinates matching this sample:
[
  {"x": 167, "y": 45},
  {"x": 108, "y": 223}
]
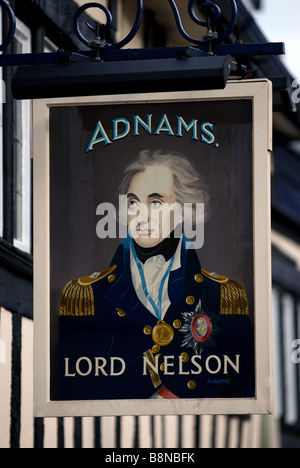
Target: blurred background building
[{"x": 45, "y": 26}]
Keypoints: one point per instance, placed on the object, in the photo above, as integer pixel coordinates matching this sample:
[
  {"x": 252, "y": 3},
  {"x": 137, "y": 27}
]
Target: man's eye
[
  {"x": 132, "y": 204},
  {"x": 156, "y": 204}
]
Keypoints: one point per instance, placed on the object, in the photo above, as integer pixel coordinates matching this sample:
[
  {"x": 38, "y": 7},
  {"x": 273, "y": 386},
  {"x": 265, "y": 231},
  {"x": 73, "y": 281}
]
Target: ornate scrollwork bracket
[
  {"x": 107, "y": 26},
  {"x": 209, "y": 9},
  {"x": 12, "y": 25},
  {"x": 213, "y": 14},
  {"x": 204, "y": 13}
]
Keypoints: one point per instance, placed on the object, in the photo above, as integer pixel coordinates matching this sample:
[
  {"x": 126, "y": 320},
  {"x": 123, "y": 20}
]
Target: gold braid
[{"x": 234, "y": 299}]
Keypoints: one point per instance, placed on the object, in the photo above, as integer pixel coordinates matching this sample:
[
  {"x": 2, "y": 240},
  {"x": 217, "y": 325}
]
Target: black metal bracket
[
  {"x": 210, "y": 44},
  {"x": 192, "y": 63}
]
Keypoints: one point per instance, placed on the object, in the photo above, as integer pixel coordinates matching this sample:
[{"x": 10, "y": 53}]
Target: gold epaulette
[
  {"x": 234, "y": 299},
  {"x": 77, "y": 299}
]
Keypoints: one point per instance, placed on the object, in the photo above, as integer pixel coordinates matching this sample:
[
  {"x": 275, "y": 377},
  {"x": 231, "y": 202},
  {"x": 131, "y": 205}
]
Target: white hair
[{"x": 189, "y": 186}]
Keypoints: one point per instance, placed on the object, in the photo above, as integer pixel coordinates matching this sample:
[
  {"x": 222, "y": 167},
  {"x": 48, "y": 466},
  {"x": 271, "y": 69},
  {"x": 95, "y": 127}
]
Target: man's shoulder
[
  {"x": 234, "y": 300},
  {"x": 77, "y": 299}
]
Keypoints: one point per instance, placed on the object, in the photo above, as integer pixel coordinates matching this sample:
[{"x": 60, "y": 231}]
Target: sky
[{"x": 280, "y": 22}]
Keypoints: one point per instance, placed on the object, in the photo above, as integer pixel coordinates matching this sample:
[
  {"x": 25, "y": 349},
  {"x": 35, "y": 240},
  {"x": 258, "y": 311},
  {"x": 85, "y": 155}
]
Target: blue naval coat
[{"x": 112, "y": 347}]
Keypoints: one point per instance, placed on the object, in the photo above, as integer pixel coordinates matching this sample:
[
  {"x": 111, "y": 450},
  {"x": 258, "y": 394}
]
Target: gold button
[
  {"x": 177, "y": 324},
  {"x": 155, "y": 349},
  {"x": 121, "y": 313},
  {"x": 148, "y": 330},
  {"x": 111, "y": 278},
  {"x": 199, "y": 278},
  {"x": 162, "y": 367},
  {"x": 190, "y": 300},
  {"x": 192, "y": 385},
  {"x": 185, "y": 357}
]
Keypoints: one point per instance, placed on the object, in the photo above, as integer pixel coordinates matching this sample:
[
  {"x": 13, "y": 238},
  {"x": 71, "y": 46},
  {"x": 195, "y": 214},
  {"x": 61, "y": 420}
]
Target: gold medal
[{"x": 162, "y": 334}]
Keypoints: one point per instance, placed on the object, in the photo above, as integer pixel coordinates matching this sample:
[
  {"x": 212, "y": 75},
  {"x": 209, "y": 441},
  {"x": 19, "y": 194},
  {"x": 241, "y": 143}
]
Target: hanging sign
[{"x": 152, "y": 253}]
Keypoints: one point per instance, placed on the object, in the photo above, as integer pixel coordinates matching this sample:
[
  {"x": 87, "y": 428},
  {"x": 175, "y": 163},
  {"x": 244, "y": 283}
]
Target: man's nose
[
  {"x": 143, "y": 216},
  {"x": 142, "y": 213}
]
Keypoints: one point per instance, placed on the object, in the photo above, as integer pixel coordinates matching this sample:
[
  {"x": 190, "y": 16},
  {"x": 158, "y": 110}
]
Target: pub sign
[{"x": 152, "y": 253}]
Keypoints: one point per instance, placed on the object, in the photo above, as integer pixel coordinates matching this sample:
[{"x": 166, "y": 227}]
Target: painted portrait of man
[{"x": 155, "y": 323}]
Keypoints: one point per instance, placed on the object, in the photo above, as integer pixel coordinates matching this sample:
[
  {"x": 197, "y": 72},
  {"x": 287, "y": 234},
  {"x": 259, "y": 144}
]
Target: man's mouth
[{"x": 146, "y": 232}]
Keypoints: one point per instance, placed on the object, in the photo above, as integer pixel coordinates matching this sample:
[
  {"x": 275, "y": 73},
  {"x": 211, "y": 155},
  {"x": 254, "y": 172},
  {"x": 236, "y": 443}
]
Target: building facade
[{"x": 45, "y": 26}]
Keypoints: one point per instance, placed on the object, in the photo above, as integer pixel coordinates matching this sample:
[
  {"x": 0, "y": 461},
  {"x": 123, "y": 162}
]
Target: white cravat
[{"x": 154, "y": 270}]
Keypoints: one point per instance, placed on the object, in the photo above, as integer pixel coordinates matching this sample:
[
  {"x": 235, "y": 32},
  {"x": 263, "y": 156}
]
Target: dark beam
[{"x": 94, "y": 78}]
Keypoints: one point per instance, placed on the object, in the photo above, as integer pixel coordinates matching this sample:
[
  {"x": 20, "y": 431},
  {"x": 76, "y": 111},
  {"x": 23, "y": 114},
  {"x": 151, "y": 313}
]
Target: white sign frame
[{"x": 260, "y": 92}]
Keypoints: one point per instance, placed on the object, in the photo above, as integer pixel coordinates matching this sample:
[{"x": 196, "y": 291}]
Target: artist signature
[{"x": 218, "y": 382}]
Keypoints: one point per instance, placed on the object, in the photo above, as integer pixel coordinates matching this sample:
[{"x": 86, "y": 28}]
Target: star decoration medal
[{"x": 198, "y": 329}]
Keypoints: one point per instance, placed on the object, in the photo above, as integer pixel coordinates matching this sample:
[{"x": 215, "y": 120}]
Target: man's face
[{"x": 151, "y": 203}]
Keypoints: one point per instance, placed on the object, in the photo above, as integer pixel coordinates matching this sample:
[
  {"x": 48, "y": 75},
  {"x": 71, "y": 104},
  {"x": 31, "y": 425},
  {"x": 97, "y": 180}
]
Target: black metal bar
[
  {"x": 269, "y": 48},
  {"x": 110, "y": 78},
  {"x": 12, "y": 60},
  {"x": 108, "y": 54},
  {"x": 114, "y": 11}
]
